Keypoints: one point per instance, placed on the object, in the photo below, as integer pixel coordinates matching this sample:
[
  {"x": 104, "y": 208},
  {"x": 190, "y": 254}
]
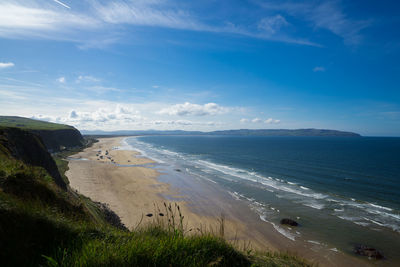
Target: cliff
[
  {"x": 54, "y": 136},
  {"x": 56, "y": 140},
  {"x": 29, "y": 148}
]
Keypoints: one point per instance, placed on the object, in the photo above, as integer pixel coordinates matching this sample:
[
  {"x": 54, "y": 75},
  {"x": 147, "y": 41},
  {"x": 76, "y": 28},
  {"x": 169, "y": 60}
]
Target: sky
[{"x": 203, "y": 65}]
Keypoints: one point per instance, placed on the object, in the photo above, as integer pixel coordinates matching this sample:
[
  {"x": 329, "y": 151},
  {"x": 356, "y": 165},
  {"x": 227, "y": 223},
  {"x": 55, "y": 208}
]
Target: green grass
[
  {"x": 152, "y": 246},
  {"x": 30, "y": 124}
]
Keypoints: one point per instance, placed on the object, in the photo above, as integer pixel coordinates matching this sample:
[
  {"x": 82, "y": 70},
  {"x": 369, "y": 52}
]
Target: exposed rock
[
  {"x": 29, "y": 148},
  {"x": 289, "y": 222},
  {"x": 54, "y": 140},
  {"x": 369, "y": 252}
]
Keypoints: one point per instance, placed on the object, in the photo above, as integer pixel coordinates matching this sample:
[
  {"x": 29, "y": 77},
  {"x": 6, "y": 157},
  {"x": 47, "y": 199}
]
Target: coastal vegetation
[{"x": 43, "y": 222}]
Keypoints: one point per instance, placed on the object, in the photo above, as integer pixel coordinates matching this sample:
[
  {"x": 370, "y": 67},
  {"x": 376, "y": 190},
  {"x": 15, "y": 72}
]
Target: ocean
[{"x": 342, "y": 191}]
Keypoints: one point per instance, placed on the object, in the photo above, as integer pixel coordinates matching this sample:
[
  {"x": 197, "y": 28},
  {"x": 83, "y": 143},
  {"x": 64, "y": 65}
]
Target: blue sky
[{"x": 203, "y": 65}]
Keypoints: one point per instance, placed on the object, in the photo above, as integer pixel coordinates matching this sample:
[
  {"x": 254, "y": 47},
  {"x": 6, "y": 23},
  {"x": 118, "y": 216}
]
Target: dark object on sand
[
  {"x": 149, "y": 215},
  {"x": 161, "y": 214},
  {"x": 289, "y": 222},
  {"x": 371, "y": 253}
]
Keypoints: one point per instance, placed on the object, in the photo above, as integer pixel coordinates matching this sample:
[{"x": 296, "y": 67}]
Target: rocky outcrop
[
  {"x": 369, "y": 252},
  {"x": 290, "y": 222},
  {"x": 30, "y": 149}
]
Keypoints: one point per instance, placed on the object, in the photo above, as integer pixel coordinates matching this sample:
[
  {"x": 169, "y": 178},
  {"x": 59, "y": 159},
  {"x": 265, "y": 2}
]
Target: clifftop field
[
  {"x": 30, "y": 124},
  {"x": 45, "y": 223}
]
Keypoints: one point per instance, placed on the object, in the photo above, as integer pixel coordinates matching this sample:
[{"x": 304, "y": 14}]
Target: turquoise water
[{"x": 343, "y": 191}]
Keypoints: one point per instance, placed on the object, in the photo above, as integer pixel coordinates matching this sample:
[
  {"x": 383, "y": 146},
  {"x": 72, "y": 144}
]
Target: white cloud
[
  {"x": 87, "y": 78},
  {"x": 43, "y": 118},
  {"x": 244, "y": 120},
  {"x": 120, "y": 117},
  {"x": 4, "y": 65},
  {"x": 103, "y": 89},
  {"x": 61, "y": 80},
  {"x": 256, "y": 120},
  {"x": 271, "y": 25},
  {"x": 102, "y": 117},
  {"x": 271, "y": 121},
  {"x": 318, "y": 69},
  {"x": 173, "y": 122},
  {"x": 194, "y": 109}
]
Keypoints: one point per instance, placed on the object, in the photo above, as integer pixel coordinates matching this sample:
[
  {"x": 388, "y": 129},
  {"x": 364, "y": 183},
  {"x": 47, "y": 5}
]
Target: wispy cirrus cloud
[
  {"x": 87, "y": 78},
  {"x": 319, "y": 69},
  {"x": 38, "y": 19},
  {"x": 63, "y": 4},
  {"x": 272, "y": 24},
  {"x": 147, "y": 13},
  {"x": 51, "y": 20},
  {"x": 327, "y": 15}
]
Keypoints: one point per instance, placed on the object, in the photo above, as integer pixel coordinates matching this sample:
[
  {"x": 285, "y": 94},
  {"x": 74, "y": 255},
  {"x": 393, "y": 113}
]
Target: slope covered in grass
[{"x": 30, "y": 124}]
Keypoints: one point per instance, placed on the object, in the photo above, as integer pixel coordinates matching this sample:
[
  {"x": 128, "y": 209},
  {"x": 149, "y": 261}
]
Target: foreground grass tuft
[{"x": 154, "y": 247}]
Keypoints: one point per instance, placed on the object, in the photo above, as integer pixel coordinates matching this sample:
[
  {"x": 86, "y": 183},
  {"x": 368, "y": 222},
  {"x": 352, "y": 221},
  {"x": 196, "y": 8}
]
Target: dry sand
[{"x": 110, "y": 173}]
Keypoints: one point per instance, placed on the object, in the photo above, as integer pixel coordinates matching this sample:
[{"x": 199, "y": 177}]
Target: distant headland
[{"x": 241, "y": 132}]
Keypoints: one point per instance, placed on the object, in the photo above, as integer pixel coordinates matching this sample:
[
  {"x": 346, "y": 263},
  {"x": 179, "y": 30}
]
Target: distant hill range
[
  {"x": 54, "y": 136},
  {"x": 241, "y": 132}
]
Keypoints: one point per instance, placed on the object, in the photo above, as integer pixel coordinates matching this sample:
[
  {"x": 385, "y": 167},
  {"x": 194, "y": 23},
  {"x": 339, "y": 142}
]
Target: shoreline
[{"x": 132, "y": 185}]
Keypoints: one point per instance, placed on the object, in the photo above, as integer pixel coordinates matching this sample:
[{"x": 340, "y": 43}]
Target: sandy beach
[
  {"x": 133, "y": 190},
  {"x": 110, "y": 173}
]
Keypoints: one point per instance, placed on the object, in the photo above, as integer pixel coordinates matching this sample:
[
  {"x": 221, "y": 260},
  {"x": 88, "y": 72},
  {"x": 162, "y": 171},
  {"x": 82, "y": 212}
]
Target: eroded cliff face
[
  {"x": 56, "y": 140},
  {"x": 30, "y": 149}
]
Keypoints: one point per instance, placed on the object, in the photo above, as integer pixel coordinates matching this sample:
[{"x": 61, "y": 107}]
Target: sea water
[{"x": 342, "y": 191}]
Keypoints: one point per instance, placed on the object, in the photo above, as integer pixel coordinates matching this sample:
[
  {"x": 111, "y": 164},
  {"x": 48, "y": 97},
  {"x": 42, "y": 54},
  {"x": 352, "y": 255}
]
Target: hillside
[
  {"x": 45, "y": 223},
  {"x": 55, "y": 136},
  {"x": 241, "y": 132}
]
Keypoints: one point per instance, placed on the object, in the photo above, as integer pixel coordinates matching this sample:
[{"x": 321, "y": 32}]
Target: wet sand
[{"x": 131, "y": 185}]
